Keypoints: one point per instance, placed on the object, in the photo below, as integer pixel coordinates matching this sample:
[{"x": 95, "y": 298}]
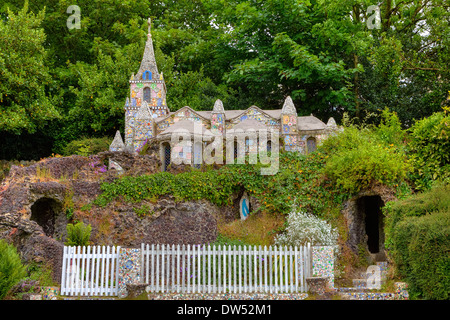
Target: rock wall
[
  {"x": 355, "y": 218},
  {"x": 165, "y": 221},
  {"x": 71, "y": 182}
]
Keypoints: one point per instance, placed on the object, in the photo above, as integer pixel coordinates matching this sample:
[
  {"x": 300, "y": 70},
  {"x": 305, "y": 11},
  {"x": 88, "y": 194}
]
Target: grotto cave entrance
[
  {"x": 44, "y": 211},
  {"x": 369, "y": 209}
]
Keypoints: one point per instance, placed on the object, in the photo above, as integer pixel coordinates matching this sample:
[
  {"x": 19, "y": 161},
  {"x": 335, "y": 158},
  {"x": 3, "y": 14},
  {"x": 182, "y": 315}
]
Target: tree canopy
[{"x": 59, "y": 84}]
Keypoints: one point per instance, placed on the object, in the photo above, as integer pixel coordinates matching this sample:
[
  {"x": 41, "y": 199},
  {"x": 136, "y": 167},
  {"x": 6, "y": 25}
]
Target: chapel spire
[{"x": 148, "y": 69}]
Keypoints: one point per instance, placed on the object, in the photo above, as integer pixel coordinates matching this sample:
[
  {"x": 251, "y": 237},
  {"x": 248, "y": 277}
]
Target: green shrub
[
  {"x": 430, "y": 150},
  {"x": 421, "y": 254},
  {"x": 78, "y": 234},
  {"x": 417, "y": 239},
  {"x": 87, "y": 146},
  {"x": 11, "y": 268},
  {"x": 390, "y": 129},
  {"x": 357, "y": 159}
]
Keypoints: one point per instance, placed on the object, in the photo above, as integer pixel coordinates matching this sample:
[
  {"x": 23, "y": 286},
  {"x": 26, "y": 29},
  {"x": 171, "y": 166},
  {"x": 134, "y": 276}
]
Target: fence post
[
  {"x": 322, "y": 262},
  {"x": 129, "y": 269}
]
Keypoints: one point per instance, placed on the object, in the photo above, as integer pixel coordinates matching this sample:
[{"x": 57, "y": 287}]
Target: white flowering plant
[{"x": 303, "y": 227}]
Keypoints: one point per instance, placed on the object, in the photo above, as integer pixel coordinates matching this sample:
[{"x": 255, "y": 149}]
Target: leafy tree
[
  {"x": 407, "y": 67},
  {"x": 60, "y": 84},
  {"x": 24, "y": 103},
  {"x": 430, "y": 150}
]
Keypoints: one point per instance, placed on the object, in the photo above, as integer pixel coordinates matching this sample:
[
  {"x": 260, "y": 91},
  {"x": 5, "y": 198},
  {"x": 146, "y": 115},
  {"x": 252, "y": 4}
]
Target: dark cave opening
[
  {"x": 44, "y": 212},
  {"x": 370, "y": 209}
]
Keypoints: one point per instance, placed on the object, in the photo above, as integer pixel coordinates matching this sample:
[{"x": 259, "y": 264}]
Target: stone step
[
  {"x": 401, "y": 293},
  {"x": 362, "y": 283}
]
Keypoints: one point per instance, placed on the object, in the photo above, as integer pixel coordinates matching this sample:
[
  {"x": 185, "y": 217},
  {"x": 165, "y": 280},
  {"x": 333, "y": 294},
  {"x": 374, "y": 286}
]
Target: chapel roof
[
  {"x": 187, "y": 126},
  {"x": 148, "y": 61}
]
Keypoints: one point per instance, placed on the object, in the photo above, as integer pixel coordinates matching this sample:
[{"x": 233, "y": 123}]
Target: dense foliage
[
  {"x": 11, "y": 268},
  {"x": 59, "y": 84},
  {"x": 87, "y": 146},
  {"x": 417, "y": 230},
  {"x": 430, "y": 149},
  {"x": 358, "y": 159}
]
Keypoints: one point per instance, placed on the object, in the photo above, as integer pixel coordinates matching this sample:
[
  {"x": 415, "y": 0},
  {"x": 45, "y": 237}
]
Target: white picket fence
[
  {"x": 94, "y": 271},
  {"x": 90, "y": 271},
  {"x": 219, "y": 269}
]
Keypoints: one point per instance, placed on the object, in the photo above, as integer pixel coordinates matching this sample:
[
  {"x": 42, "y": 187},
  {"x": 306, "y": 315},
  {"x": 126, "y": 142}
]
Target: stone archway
[
  {"x": 45, "y": 212},
  {"x": 365, "y": 222}
]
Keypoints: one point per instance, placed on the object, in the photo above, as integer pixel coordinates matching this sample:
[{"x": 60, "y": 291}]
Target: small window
[
  {"x": 147, "y": 94},
  {"x": 269, "y": 146},
  {"x": 147, "y": 75}
]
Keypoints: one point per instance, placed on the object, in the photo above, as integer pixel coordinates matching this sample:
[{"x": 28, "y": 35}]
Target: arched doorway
[
  {"x": 44, "y": 211},
  {"x": 197, "y": 155},
  {"x": 311, "y": 144},
  {"x": 369, "y": 209}
]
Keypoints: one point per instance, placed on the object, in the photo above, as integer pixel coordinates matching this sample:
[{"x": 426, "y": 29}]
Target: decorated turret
[
  {"x": 289, "y": 125},
  {"x": 218, "y": 118}
]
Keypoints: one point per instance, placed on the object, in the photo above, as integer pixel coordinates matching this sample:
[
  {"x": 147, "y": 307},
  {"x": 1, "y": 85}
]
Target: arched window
[
  {"x": 166, "y": 155},
  {"x": 269, "y": 146},
  {"x": 147, "y": 94},
  {"x": 235, "y": 150},
  {"x": 311, "y": 144},
  {"x": 147, "y": 75}
]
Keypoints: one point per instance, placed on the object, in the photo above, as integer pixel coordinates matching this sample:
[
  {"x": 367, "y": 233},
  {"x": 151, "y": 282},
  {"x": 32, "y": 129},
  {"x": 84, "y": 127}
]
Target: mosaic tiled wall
[
  {"x": 129, "y": 269},
  {"x": 155, "y": 94},
  {"x": 323, "y": 263},
  {"x": 129, "y": 125},
  {"x": 292, "y": 141},
  {"x": 136, "y": 94},
  {"x": 217, "y": 122},
  {"x": 288, "y": 124},
  {"x": 143, "y": 131},
  {"x": 49, "y": 293}
]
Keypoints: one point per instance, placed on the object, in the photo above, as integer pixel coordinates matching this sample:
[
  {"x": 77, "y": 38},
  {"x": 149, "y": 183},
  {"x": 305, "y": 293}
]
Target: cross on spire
[{"x": 149, "y": 21}]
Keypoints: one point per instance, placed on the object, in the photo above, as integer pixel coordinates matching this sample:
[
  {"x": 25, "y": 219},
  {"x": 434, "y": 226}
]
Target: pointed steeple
[
  {"x": 117, "y": 144},
  {"x": 331, "y": 123},
  {"x": 218, "y": 107},
  {"x": 148, "y": 62},
  {"x": 218, "y": 118},
  {"x": 288, "y": 106}
]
